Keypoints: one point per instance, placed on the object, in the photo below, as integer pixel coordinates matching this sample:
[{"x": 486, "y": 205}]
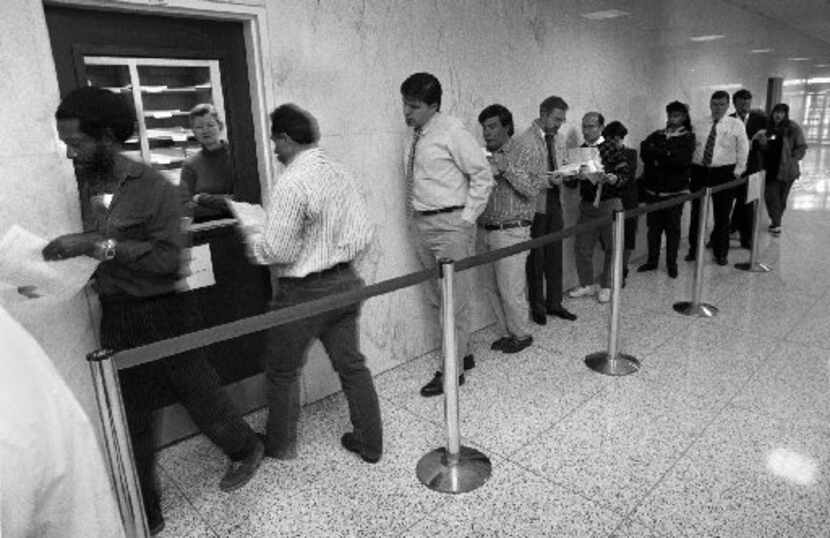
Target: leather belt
[
  {"x": 507, "y": 224},
  {"x": 442, "y": 210}
]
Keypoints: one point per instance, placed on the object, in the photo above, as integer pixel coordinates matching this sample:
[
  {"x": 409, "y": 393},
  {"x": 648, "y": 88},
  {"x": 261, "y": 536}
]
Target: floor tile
[{"x": 181, "y": 520}]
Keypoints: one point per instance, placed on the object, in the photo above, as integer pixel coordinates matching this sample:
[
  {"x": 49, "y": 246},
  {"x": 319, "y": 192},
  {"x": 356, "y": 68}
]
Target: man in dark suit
[{"x": 753, "y": 120}]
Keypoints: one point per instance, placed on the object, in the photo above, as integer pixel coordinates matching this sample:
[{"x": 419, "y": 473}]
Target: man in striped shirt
[
  {"x": 506, "y": 221},
  {"x": 315, "y": 224}
]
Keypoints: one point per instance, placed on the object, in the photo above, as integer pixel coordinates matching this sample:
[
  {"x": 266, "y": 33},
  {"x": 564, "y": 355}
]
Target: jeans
[
  {"x": 287, "y": 350},
  {"x": 775, "y": 196},
  {"x": 504, "y": 282},
  {"x": 585, "y": 241}
]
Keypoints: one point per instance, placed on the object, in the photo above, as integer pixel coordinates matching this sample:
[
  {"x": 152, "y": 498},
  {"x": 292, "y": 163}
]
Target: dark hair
[
  {"x": 720, "y": 94},
  {"x": 548, "y": 105},
  {"x": 743, "y": 93},
  {"x": 296, "y": 123},
  {"x": 422, "y": 87},
  {"x": 204, "y": 109},
  {"x": 99, "y": 112},
  {"x": 677, "y": 106},
  {"x": 600, "y": 118},
  {"x": 500, "y": 112},
  {"x": 614, "y": 129}
]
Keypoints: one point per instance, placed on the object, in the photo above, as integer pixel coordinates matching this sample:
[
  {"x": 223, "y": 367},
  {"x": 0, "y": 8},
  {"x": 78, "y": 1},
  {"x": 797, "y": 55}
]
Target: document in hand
[
  {"x": 753, "y": 186},
  {"x": 250, "y": 216},
  {"x": 22, "y": 267}
]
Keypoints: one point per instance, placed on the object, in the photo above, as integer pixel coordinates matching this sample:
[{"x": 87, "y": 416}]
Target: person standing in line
[
  {"x": 721, "y": 151},
  {"x": 316, "y": 224},
  {"x": 783, "y": 146},
  {"x": 667, "y": 158},
  {"x": 506, "y": 221},
  {"x": 544, "y": 264},
  {"x": 754, "y": 120},
  {"x": 448, "y": 183}
]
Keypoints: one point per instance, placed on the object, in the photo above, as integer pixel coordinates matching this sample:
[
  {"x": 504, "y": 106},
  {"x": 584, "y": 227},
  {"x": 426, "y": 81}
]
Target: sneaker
[
  {"x": 775, "y": 230},
  {"x": 240, "y": 472},
  {"x": 514, "y": 345},
  {"x": 604, "y": 295},
  {"x": 582, "y": 291}
]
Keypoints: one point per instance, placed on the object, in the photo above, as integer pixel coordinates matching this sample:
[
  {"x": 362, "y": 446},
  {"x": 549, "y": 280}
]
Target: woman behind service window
[{"x": 207, "y": 177}]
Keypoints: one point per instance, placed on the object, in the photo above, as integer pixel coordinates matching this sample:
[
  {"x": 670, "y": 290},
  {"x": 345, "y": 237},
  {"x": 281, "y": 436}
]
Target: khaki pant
[{"x": 505, "y": 283}]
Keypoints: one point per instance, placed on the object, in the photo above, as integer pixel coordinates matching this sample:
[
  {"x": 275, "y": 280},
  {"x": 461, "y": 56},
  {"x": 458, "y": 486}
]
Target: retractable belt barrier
[{"x": 452, "y": 469}]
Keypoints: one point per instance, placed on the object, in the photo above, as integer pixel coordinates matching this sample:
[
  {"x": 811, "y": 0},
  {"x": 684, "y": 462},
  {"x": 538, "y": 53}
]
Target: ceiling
[{"x": 811, "y": 17}]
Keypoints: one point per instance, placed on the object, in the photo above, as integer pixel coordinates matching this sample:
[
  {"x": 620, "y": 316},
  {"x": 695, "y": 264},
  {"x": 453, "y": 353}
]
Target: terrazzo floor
[{"x": 725, "y": 431}]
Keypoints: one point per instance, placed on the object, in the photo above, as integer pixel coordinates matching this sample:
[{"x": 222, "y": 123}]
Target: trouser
[
  {"x": 721, "y": 206},
  {"x": 445, "y": 235},
  {"x": 585, "y": 241},
  {"x": 775, "y": 196},
  {"x": 286, "y": 355},
  {"x": 664, "y": 221},
  {"x": 544, "y": 264},
  {"x": 131, "y": 323},
  {"x": 742, "y": 216},
  {"x": 504, "y": 283}
]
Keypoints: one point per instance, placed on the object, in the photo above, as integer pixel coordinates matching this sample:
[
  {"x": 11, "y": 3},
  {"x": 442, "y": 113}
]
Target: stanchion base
[
  {"x": 702, "y": 310},
  {"x": 753, "y": 267},
  {"x": 470, "y": 471},
  {"x": 622, "y": 364}
]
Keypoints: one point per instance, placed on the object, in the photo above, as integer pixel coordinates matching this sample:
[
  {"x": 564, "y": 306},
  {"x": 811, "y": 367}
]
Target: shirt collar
[
  {"x": 430, "y": 122},
  {"x": 596, "y": 143}
]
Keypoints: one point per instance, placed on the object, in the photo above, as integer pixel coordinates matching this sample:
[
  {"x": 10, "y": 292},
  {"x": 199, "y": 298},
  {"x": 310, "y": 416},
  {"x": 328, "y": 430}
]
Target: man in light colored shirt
[
  {"x": 721, "y": 150},
  {"x": 53, "y": 481},
  {"x": 505, "y": 222},
  {"x": 544, "y": 264},
  {"x": 316, "y": 223},
  {"x": 448, "y": 183},
  {"x": 754, "y": 121}
]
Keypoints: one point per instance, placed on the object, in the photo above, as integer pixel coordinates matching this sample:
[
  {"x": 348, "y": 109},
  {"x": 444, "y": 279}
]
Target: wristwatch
[{"x": 105, "y": 250}]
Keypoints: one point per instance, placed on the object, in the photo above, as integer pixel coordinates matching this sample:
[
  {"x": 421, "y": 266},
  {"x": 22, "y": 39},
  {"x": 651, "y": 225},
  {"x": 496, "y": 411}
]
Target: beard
[{"x": 97, "y": 171}]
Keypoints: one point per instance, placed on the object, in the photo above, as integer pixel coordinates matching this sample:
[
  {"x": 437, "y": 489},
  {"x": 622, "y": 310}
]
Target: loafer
[
  {"x": 156, "y": 526},
  {"x": 560, "y": 312},
  {"x": 499, "y": 344},
  {"x": 436, "y": 386},
  {"x": 350, "y": 443},
  {"x": 240, "y": 472},
  {"x": 672, "y": 270},
  {"x": 469, "y": 362},
  {"x": 515, "y": 345}
]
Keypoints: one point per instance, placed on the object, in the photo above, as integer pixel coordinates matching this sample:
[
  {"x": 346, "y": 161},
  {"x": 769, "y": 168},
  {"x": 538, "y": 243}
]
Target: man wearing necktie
[
  {"x": 448, "y": 182},
  {"x": 544, "y": 264},
  {"x": 721, "y": 149}
]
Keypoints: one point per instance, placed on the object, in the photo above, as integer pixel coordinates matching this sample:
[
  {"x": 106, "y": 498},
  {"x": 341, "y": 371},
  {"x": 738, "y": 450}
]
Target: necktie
[
  {"x": 552, "y": 197},
  {"x": 551, "y": 151},
  {"x": 709, "y": 149},
  {"x": 410, "y": 173}
]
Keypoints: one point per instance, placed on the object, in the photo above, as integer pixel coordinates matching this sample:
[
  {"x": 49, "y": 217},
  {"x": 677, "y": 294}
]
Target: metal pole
[
  {"x": 695, "y": 307},
  {"x": 119, "y": 450},
  {"x": 613, "y": 362},
  {"x": 754, "y": 266},
  {"x": 454, "y": 468}
]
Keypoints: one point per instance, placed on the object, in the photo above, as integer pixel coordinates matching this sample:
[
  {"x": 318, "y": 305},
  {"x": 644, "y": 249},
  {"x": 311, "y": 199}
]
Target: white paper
[
  {"x": 582, "y": 155},
  {"x": 753, "y": 186},
  {"x": 248, "y": 215},
  {"x": 201, "y": 268},
  {"x": 23, "y": 268}
]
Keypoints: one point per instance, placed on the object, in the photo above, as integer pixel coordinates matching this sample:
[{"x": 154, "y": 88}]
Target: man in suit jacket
[{"x": 753, "y": 120}]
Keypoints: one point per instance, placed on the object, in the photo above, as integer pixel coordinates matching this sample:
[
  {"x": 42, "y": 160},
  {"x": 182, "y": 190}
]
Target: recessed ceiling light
[
  {"x": 761, "y": 51},
  {"x": 606, "y": 14},
  {"x": 798, "y": 59},
  {"x": 710, "y": 37}
]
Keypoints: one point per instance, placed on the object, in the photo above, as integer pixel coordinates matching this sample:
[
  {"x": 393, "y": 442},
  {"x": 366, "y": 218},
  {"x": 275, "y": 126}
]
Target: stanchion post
[
  {"x": 754, "y": 266},
  {"x": 695, "y": 307},
  {"x": 454, "y": 468},
  {"x": 613, "y": 362},
  {"x": 119, "y": 450}
]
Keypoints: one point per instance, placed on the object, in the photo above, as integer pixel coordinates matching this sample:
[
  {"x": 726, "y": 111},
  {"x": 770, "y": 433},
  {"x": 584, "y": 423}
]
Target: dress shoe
[
  {"x": 672, "y": 270},
  {"x": 690, "y": 257},
  {"x": 436, "y": 386},
  {"x": 156, "y": 526},
  {"x": 498, "y": 345},
  {"x": 721, "y": 260},
  {"x": 469, "y": 362},
  {"x": 514, "y": 345},
  {"x": 350, "y": 443},
  {"x": 648, "y": 266},
  {"x": 538, "y": 318},
  {"x": 560, "y": 312},
  {"x": 240, "y": 472}
]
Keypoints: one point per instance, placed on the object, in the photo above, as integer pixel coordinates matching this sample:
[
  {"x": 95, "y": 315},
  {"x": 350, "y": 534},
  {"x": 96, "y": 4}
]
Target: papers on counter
[{"x": 23, "y": 269}]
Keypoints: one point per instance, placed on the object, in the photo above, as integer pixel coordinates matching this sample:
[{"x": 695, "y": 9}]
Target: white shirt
[
  {"x": 53, "y": 482},
  {"x": 316, "y": 219},
  {"x": 731, "y": 143},
  {"x": 450, "y": 168}
]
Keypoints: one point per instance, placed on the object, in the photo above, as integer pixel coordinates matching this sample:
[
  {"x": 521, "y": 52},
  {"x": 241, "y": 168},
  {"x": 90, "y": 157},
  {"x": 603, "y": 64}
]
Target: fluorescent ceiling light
[
  {"x": 761, "y": 51},
  {"x": 710, "y": 37},
  {"x": 822, "y": 65},
  {"x": 798, "y": 59},
  {"x": 606, "y": 14}
]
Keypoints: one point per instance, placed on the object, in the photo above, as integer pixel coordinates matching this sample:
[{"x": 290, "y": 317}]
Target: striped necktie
[
  {"x": 410, "y": 173},
  {"x": 709, "y": 149}
]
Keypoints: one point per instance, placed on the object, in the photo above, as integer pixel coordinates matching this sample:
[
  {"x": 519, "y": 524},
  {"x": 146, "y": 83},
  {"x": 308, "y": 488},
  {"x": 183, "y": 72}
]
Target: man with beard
[{"x": 134, "y": 226}]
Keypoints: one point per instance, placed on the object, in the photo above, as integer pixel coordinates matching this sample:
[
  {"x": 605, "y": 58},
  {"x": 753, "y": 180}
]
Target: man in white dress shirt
[{"x": 721, "y": 149}]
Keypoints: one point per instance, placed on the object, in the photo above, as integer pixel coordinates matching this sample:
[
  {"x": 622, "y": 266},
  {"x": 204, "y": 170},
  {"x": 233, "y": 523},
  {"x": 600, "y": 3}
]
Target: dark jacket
[
  {"x": 755, "y": 121},
  {"x": 793, "y": 148},
  {"x": 614, "y": 161},
  {"x": 667, "y": 162}
]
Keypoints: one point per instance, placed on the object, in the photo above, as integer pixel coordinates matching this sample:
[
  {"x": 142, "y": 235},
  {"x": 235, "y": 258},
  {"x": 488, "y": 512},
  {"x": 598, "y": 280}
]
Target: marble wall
[{"x": 345, "y": 59}]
